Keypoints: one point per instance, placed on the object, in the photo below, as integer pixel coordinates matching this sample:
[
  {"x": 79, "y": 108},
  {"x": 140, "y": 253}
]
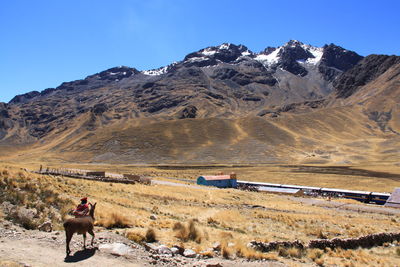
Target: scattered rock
[
  {"x": 150, "y": 247},
  {"x": 179, "y": 249},
  {"x": 46, "y": 227},
  {"x": 164, "y": 250},
  {"x": 153, "y": 217},
  {"x": 217, "y": 246},
  {"x": 189, "y": 253}
]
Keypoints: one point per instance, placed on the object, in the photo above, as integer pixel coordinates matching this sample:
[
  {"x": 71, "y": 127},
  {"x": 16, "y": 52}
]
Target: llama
[{"x": 81, "y": 226}]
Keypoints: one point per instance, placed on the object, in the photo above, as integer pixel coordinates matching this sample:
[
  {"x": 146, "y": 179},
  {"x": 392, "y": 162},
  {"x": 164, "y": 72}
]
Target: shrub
[
  {"x": 151, "y": 235},
  {"x": 314, "y": 254},
  {"x": 226, "y": 252},
  {"x": 115, "y": 220},
  {"x": 135, "y": 237},
  {"x": 294, "y": 252},
  {"x": 188, "y": 232}
]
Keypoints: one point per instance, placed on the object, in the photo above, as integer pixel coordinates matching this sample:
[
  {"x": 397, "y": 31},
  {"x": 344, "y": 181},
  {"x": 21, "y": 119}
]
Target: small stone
[
  {"x": 175, "y": 250},
  {"x": 164, "y": 250},
  {"x": 189, "y": 253},
  {"x": 150, "y": 247},
  {"x": 217, "y": 246},
  {"x": 153, "y": 217},
  {"x": 46, "y": 227}
]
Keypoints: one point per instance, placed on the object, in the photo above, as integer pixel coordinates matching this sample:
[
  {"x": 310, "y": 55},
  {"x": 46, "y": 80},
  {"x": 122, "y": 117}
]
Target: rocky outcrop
[
  {"x": 335, "y": 60},
  {"x": 24, "y": 97},
  {"x": 188, "y": 112},
  {"x": 365, "y": 71}
]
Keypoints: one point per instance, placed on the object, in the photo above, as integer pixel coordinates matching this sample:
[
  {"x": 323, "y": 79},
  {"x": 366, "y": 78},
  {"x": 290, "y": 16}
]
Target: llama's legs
[
  {"x": 84, "y": 240},
  {"x": 69, "y": 236},
  {"x": 92, "y": 234}
]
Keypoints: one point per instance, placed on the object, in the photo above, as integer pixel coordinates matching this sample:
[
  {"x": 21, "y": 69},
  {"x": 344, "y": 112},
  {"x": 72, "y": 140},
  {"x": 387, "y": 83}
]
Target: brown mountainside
[{"x": 223, "y": 104}]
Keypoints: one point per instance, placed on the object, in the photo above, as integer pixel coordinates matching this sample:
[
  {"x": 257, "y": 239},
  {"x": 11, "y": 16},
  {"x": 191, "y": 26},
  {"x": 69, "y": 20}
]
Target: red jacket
[{"x": 81, "y": 210}]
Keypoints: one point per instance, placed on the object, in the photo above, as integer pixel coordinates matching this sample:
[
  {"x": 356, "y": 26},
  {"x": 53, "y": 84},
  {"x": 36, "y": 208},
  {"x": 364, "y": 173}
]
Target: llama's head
[{"x": 92, "y": 208}]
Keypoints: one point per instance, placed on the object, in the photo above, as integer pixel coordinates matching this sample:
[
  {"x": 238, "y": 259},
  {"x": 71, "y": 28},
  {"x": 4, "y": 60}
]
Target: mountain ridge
[{"x": 251, "y": 95}]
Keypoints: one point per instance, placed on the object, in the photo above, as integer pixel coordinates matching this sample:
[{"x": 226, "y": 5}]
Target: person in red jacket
[{"x": 82, "y": 209}]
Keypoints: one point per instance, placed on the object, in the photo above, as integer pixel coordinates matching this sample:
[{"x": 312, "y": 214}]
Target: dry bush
[
  {"x": 187, "y": 232},
  {"x": 25, "y": 221},
  {"x": 151, "y": 235},
  {"x": 320, "y": 234},
  {"x": 315, "y": 254},
  {"x": 283, "y": 252},
  {"x": 295, "y": 252},
  {"x": 226, "y": 251},
  {"x": 114, "y": 220},
  {"x": 243, "y": 251},
  {"x": 398, "y": 251},
  {"x": 135, "y": 237}
]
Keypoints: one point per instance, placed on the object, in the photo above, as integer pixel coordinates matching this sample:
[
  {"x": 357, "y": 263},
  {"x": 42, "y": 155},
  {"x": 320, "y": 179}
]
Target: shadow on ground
[{"x": 81, "y": 255}]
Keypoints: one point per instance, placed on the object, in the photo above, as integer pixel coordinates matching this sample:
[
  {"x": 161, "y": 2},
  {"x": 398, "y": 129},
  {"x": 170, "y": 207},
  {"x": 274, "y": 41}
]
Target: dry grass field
[{"x": 196, "y": 218}]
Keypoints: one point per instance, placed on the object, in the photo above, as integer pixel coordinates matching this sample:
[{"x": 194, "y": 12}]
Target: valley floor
[{"x": 196, "y": 217}]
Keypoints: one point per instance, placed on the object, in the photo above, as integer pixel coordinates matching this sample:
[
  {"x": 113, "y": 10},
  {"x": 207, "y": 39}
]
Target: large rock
[
  {"x": 189, "y": 253},
  {"x": 117, "y": 249}
]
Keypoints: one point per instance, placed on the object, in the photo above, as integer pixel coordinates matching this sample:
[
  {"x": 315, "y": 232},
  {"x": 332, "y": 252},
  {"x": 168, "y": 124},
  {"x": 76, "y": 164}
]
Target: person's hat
[{"x": 84, "y": 198}]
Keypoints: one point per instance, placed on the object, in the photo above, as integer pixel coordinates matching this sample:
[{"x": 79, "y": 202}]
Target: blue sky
[{"x": 44, "y": 43}]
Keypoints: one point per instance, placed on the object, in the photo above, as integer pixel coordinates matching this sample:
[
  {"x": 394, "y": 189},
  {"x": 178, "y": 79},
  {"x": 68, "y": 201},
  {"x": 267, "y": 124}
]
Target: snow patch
[
  {"x": 317, "y": 52},
  {"x": 208, "y": 52},
  {"x": 269, "y": 59},
  {"x": 224, "y": 46},
  {"x": 197, "y": 59},
  {"x": 246, "y": 53},
  {"x": 159, "y": 71}
]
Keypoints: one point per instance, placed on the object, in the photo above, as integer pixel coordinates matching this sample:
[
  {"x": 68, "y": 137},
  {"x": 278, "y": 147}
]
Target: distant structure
[
  {"x": 138, "y": 179},
  {"x": 98, "y": 174},
  {"x": 132, "y": 177},
  {"x": 394, "y": 199},
  {"x": 221, "y": 181}
]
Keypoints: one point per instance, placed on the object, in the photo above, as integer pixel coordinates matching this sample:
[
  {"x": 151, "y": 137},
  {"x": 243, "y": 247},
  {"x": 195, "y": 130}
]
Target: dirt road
[{"x": 40, "y": 253}]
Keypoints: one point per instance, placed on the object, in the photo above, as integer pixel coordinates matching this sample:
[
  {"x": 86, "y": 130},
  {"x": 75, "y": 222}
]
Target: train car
[
  {"x": 379, "y": 198},
  {"x": 257, "y": 183},
  {"x": 363, "y": 196},
  {"x": 302, "y": 187}
]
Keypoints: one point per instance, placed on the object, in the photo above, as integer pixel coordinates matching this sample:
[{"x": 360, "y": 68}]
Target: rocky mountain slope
[{"x": 219, "y": 104}]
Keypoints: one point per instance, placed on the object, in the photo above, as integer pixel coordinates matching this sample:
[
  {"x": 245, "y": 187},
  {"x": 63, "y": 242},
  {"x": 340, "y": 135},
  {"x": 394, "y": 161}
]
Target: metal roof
[
  {"x": 278, "y": 190},
  {"x": 216, "y": 177}
]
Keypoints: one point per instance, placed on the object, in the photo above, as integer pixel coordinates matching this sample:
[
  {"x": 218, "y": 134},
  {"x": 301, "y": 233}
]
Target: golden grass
[
  {"x": 113, "y": 220},
  {"x": 200, "y": 217}
]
